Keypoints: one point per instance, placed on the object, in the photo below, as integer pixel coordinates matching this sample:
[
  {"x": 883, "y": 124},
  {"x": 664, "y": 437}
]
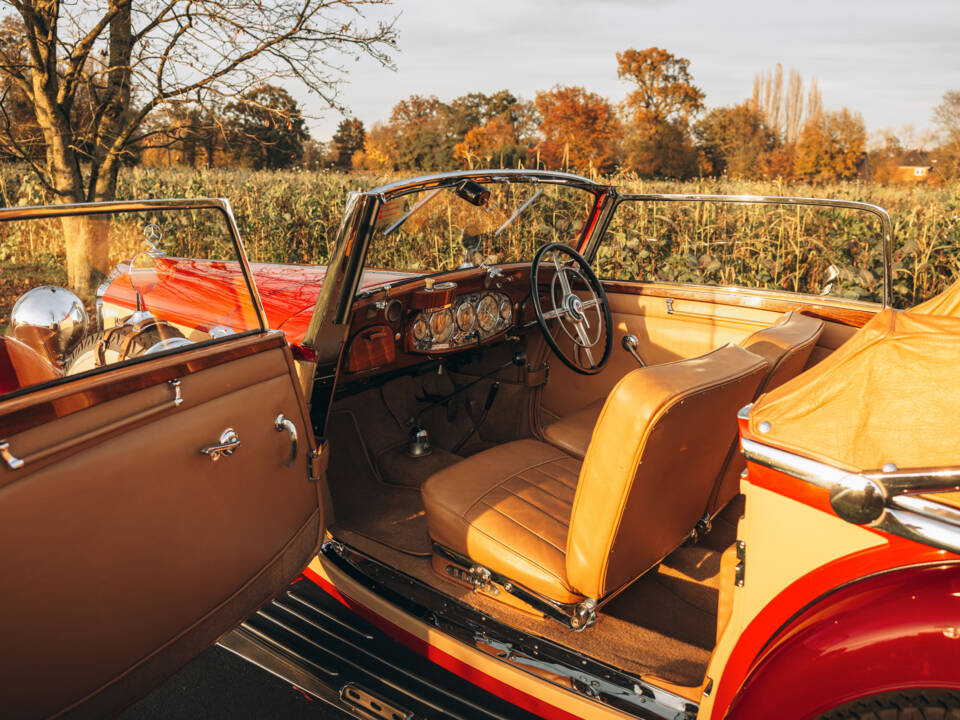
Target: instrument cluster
[{"x": 468, "y": 320}]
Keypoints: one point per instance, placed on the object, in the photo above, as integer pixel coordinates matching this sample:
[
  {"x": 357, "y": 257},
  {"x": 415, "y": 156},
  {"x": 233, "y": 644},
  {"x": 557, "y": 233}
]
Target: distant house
[{"x": 914, "y": 166}]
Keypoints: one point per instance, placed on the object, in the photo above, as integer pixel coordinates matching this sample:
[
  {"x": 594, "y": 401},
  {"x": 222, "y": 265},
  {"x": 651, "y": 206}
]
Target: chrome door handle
[
  {"x": 284, "y": 423},
  {"x": 229, "y": 441}
]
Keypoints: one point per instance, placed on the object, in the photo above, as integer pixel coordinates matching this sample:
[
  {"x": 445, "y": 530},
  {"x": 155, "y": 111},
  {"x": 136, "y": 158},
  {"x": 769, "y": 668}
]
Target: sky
[{"x": 890, "y": 60}]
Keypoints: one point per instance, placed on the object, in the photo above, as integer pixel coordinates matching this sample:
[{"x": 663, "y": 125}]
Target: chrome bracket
[
  {"x": 669, "y": 306},
  {"x": 584, "y": 614},
  {"x": 177, "y": 392},
  {"x": 741, "y": 569},
  {"x": 13, "y": 462}
]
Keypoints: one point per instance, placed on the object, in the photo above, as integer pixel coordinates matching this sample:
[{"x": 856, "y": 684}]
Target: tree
[
  {"x": 348, "y": 140},
  {"x": 128, "y": 59},
  {"x": 946, "y": 115},
  {"x": 493, "y": 144},
  {"x": 423, "y": 139},
  {"x": 659, "y": 111},
  {"x": 831, "y": 146},
  {"x": 664, "y": 87},
  {"x": 735, "y": 139},
  {"x": 265, "y": 128},
  {"x": 579, "y": 129}
]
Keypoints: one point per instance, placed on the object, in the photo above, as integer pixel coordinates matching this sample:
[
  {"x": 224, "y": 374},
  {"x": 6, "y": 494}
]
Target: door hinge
[
  {"x": 319, "y": 460},
  {"x": 741, "y": 568}
]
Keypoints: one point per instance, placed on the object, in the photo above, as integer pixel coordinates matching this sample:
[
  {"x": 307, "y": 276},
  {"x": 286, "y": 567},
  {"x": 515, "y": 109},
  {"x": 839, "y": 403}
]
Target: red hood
[{"x": 201, "y": 293}]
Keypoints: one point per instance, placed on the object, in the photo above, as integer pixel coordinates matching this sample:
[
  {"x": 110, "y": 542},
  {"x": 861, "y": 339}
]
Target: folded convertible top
[{"x": 890, "y": 394}]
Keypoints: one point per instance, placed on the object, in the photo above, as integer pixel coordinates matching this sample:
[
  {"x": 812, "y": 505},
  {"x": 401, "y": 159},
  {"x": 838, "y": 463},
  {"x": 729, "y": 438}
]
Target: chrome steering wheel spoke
[{"x": 569, "y": 308}]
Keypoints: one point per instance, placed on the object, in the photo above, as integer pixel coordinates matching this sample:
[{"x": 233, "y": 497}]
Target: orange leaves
[
  {"x": 579, "y": 129},
  {"x": 832, "y": 146},
  {"x": 665, "y": 90}
]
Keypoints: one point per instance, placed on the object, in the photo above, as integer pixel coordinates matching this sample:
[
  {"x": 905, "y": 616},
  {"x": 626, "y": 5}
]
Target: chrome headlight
[{"x": 49, "y": 317}]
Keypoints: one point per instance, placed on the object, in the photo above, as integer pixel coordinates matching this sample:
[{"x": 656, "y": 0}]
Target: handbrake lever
[{"x": 630, "y": 344}]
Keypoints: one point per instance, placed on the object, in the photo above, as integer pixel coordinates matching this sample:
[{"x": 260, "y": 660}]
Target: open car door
[{"x": 158, "y": 473}]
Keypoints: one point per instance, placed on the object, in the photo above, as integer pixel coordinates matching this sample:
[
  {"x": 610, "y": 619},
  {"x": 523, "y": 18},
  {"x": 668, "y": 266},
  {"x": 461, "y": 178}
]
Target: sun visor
[{"x": 889, "y": 394}]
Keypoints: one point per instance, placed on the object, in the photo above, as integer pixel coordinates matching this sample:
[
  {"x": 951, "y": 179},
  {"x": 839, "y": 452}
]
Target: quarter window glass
[
  {"x": 801, "y": 249},
  {"x": 81, "y": 293}
]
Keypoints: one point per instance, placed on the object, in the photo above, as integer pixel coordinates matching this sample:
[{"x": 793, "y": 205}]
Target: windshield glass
[
  {"x": 809, "y": 249},
  {"x": 468, "y": 224},
  {"x": 81, "y": 293}
]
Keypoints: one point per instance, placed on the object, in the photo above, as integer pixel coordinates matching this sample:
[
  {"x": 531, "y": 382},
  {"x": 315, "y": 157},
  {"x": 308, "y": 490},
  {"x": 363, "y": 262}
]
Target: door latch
[{"x": 229, "y": 441}]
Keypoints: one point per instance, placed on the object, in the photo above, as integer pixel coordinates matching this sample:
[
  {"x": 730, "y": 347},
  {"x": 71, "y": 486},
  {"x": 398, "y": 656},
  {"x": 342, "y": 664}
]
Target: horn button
[{"x": 574, "y": 307}]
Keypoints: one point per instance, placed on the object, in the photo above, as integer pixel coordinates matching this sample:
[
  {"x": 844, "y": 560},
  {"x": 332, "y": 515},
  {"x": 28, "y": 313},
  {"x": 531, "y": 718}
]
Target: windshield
[
  {"x": 809, "y": 249},
  {"x": 467, "y": 224}
]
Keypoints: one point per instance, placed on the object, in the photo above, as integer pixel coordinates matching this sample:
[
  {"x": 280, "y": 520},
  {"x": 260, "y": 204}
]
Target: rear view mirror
[{"x": 473, "y": 192}]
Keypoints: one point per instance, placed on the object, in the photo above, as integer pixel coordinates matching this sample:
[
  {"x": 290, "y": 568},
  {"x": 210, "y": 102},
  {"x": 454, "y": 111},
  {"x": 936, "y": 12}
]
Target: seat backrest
[
  {"x": 786, "y": 347},
  {"x": 657, "y": 448}
]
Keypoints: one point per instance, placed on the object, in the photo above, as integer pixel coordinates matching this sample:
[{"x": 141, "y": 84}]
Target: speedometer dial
[
  {"x": 506, "y": 312},
  {"x": 487, "y": 313},
  {"x": 441, "y": 325},
  {"x": 466, "y": 316}
]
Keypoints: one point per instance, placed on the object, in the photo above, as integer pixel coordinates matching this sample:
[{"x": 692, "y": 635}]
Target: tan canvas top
[{"x": 891, "y": 393}]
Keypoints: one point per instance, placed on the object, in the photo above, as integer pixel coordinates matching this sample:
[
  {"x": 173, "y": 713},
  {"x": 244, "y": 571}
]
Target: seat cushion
[
  {"x": 572, "y": 432},
  {"x": 508, "y": 509}
]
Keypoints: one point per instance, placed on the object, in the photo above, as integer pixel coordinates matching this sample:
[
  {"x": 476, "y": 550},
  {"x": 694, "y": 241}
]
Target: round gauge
[
  {"x": 466, "y": 316},
  {"x": 420, "y": 329},
  {"x": 441, "y": 325},
  {"x": 506, "y": 312},
  {"x": 487, "y": 313}
]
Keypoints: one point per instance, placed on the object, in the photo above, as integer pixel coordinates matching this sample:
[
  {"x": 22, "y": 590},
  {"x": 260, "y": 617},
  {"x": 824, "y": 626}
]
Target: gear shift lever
[{"x": 418, "y": 445}]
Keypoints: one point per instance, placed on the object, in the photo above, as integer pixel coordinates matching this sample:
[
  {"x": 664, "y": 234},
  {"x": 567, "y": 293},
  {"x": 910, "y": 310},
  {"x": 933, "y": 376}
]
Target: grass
[{"x": 293, "y": 216}]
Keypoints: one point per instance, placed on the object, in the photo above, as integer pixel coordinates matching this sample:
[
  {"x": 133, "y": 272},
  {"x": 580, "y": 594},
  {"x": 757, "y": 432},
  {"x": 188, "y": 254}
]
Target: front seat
[
  {"x": 785, "y": 346},
  {"x": 573, "y": 531}
]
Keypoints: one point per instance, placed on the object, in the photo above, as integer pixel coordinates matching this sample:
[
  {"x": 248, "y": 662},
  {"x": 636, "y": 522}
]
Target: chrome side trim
[{"x": 890, "y": 502}]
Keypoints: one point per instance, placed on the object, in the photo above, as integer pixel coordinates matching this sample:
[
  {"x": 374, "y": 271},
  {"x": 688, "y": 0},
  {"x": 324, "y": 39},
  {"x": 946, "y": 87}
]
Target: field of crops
[{"x": 292, "y": 216}]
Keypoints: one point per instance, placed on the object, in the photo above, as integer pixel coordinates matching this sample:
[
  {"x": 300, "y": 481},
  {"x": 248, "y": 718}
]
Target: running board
[{"x": 312, "y": 641}]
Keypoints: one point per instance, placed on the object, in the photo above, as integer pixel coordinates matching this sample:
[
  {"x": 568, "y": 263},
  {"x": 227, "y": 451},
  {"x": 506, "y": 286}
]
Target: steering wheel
[{"x": 572, "y": 311}]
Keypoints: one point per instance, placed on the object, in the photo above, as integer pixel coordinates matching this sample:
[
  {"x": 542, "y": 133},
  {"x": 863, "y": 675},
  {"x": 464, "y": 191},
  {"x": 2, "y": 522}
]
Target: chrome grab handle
[
  {"x": 284, "y": 423},
  {"x": 630, "y": 344},
  {"x": 229, "y": 441},
  {"x": 15, "y": 463}
]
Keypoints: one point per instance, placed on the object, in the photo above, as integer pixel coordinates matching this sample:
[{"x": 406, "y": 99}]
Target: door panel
[
  {"x": 127, "y": 552},
  {"x": 693, "y": 322}
]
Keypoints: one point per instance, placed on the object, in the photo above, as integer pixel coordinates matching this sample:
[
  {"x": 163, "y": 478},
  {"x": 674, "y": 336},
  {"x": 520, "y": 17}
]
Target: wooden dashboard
[{"x": 431, "y": 317}]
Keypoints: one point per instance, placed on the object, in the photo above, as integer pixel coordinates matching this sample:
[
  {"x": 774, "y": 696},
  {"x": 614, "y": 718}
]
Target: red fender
[{"x": 891, "y": 631}]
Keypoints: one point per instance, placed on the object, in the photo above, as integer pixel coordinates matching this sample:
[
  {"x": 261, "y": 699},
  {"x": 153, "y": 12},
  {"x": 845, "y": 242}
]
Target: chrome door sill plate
[{"x": 536, "y": 655}]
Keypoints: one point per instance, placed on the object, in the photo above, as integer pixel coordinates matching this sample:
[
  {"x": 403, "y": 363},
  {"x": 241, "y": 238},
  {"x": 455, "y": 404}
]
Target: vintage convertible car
[{"x": 501, "y": 476}]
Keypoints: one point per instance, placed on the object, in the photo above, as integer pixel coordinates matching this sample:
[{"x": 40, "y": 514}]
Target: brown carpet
[{"x": 392, "y": 514}]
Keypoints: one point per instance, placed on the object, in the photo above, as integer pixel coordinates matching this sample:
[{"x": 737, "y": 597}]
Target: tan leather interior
[
  {"x": 657, "y": 448},
  {"x": 690, "y": 329},
  {"x": 508, "y": 508},
  {"x": 786, "y": 347},
  {"x": 134, "y": 551}
]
